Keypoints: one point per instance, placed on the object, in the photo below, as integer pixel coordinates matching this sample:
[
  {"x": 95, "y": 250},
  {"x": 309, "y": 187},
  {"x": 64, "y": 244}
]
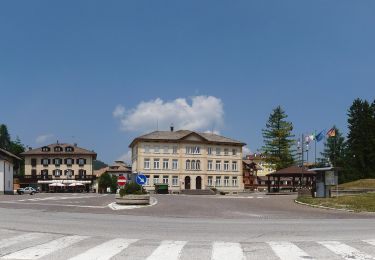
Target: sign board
[
  {"x": 141, "y": 179},
  {"x": 330, "y": 178},
  {"x": 121, "y": 180}
]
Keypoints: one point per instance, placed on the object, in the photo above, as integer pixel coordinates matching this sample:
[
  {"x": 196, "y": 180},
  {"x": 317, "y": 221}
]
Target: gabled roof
[
  {"x": 292, "y": 171},
  {"x": 180, "y": 135},
  {"x": 9, "y": 154},
  {"x": 76, "y": 150},
  {"x": 118, "y": 167}
]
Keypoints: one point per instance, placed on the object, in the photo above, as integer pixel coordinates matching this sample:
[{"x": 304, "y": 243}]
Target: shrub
[{"x": 133, "y": 189}]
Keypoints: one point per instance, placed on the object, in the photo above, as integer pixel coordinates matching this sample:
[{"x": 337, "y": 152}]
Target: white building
[{"x": 7, "y": 163}]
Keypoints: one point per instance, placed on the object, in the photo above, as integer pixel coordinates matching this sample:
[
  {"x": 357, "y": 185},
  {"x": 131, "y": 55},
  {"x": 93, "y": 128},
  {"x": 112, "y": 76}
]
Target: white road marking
[
  {"x": 225, "y": 251},
  {"x": 288, "y": 251},
  {"x": 42, "y": 250},
  {"x": 106, "y": 250},
  {"x": 54, "y": 204},
  {"x": 345, "y": 251},
  {"x": 5, "y": 242},
  {"x": 168, "y": 250},
  {"x": 371, "y": 241}
]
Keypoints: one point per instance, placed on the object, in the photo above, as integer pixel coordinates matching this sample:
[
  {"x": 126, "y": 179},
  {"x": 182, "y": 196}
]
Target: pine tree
[
  {"x": 360, "y": 141},
  {"x": 278, "y": 139},
  {"x": 4, "y": 137},
  {"x": 335, "y": 149}
]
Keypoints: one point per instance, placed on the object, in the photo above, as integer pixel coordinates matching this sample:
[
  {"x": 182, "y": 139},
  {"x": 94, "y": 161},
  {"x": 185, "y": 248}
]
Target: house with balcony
[{"x": 58, "y": 164}]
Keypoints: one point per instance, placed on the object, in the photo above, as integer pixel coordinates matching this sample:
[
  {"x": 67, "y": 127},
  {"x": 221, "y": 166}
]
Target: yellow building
[
  {"x": 260, "y": 159},
  {"x": 188, "y": 160},
  {"x": 61, "y": 164}
]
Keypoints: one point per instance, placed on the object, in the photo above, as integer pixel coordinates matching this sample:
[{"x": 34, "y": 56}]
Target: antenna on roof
[{"x": 157, "y": 124}]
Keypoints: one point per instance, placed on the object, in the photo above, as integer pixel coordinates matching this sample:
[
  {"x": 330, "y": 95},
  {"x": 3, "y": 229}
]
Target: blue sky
[{"x": 65, "y": 67}]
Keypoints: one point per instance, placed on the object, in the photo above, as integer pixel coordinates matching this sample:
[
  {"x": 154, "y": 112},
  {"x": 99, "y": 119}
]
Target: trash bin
[{"x": 161, "y": 188}]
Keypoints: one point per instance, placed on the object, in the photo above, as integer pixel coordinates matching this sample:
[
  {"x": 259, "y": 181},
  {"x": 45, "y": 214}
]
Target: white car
[{"x": 27, "y": 190}]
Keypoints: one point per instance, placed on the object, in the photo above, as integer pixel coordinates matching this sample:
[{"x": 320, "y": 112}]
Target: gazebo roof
[{"x": 292, "y": 171}]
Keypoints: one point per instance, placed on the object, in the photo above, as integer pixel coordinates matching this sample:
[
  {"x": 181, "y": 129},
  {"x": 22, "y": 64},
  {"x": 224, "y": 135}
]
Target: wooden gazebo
[{"x": 293, "y": 178}]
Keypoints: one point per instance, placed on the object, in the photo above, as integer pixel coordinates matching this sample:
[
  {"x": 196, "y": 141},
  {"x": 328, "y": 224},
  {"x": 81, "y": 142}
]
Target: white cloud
[
  {"x": 41, "y": 139},
  {"x": 245, "y": 150},
  {"x": 197, "y": 113},
  {"x": 119, "y": 111},
  {"x": 126, "y": 157}
]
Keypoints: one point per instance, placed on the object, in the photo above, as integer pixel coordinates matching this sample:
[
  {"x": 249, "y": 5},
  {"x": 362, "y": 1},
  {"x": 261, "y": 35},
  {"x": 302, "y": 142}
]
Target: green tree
[
  {"x": 335, "y": 149},
  {"x": 361, "y": 150},
  {"x": 105, "y": 181},
  {"x": 4, "y": 137},
  {"x": 16, "y": 147},
  {"x": 114, "y": 184},
  {"x": 278, "y": 139}
]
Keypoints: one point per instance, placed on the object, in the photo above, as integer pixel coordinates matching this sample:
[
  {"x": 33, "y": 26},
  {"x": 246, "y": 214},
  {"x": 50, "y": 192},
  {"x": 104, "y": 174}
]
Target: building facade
[
  {"x": 62, "y": 164},
  {"x": 8, "y": 161},
  {"x": 187, "y": 160},
  {"x": 260, "y": 159},
  {"x": 119, "y": 168}
]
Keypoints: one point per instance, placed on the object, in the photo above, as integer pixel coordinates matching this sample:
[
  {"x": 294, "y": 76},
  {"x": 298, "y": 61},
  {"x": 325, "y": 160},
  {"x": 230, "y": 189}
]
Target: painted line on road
[
  {"x": 168, "y": 250},
  {"x": 43, "y": 250},
  {"x": 6, "y": 242},
  {"x": 345, "y": 251},
  {"x": 106, "y": 250},
  {"x": 225, "y": 251},
  {"x": 53, "y": 204},
  {"x": 288, "y": 251}
]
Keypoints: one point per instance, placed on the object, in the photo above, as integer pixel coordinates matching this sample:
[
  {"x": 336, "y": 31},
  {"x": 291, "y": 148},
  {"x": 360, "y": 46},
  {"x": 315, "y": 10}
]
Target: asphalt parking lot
[{"x": 257, "y": 205}]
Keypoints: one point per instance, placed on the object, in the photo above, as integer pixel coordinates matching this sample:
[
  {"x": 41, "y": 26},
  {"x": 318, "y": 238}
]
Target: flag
[
  {"x": 312, "y": 137},
  {"x": 331, "y": 132},
  {"x": 319, "y": 137}
]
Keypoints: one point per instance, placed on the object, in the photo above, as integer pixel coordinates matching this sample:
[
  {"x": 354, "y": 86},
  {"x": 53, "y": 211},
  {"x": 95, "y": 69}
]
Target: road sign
[
  {"x": 141, "y": 179},
  {"x": 121, "y": 180}
]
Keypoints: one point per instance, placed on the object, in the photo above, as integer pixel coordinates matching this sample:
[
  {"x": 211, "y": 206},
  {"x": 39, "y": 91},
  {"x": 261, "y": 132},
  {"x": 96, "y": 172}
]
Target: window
[
  {"x": 58, "y": 149},
  {"x": 218, "y": 165},
  {"x": 44, "y": 174},
  {"x": 174, "y": 149},
  {"x": 187, "y": 165},
  {"x": 57, "y": 162},
  {"x": 193, "y": 150},
  {"x": 33, "y": 173},
  {"x": 46, "y": 149},
  {"x": 226, "y": 181},
  {"x": 45, "y": 162},
  {"x": 226, "y": 151},
  {"x": 209, "y": 150},
  {"x": 166, "y": 149},
  {"x": 175, "y": 181},
  {"x": 226, "y": 165},
  {"x": 156, "y": 179},
  {"x": 82, "y": 174},
  {"x": 165, "y": 179},
  {"x": 234, "y": 151},
  {"x": 198, "y": 165},
  {"x": 193, "y": 164},
  {"x": 210, "y": 166},
  {"x": 69, "y": 149},
  {"x": 234, "y": 166},
  {"x": 147, "y": 149},
  {"x": 81, "y": 161},
  {"x": 209, "y": 181},
  {"x": 33, "y": 162},
  {"x": 156, "y": 163},
  {"x": 69, "y": 161},
  {"x": 218, "y": 181},
  {"x": 175, "y": 164},
  {"x": 234, "y": 181},
  {"x": 147, "y": 180},
  {"x": 69, "y": 173},
  {"x": 57, "y": 173},
  {"x": 156, "y": 149},
  {"x": 197, "y": 150},
  {"x": 165, "y": 164},
  {"x": 218, "y": 151},
  {"x": 146, "y": 164}
]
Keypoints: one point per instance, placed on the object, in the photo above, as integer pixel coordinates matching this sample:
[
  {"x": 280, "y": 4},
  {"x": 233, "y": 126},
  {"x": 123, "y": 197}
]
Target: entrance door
[
  {"x": 187, "y": 183},
  {"x": 198, "y": 183}
]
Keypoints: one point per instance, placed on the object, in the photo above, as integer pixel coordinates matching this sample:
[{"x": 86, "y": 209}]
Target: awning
[{"x": 63, "y": 181}]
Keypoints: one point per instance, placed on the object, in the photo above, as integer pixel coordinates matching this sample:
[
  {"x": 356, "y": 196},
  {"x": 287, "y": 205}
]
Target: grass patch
[
  {"x": 359, "y": 184},
  {"x": 361, "y": 202}
]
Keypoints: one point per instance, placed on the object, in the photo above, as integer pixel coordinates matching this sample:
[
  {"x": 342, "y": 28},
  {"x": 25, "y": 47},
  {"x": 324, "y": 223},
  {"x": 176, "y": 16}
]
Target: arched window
[
  {"x": 193, "y": 164},
  {"x": 187, "y": 165},
  {"x": 198, "y": 165}
]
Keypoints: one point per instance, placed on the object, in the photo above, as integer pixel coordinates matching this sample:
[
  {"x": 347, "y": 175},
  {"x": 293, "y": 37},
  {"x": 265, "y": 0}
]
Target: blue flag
[{"x": 319, "y": 137}]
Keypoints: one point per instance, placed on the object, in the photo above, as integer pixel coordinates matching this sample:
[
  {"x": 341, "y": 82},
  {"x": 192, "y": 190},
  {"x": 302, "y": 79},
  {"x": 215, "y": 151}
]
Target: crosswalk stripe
[
  {"x": 288, "y": 251},
  {"x": 42, "y": 250},
  {"x": 345, "y": 251},
  {"x": 371, "y": 241},
  {"x": 225, "y": 251},
  {"x": 19, "y": 239},
  {"x": 168, "y": 250},
  {"x": 106, "y": 250}
]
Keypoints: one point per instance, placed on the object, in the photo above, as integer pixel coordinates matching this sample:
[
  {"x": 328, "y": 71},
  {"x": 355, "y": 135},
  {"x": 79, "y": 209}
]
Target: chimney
[
  {"x": 75, "y": 144},
  {"x": 172, "y": 128}
]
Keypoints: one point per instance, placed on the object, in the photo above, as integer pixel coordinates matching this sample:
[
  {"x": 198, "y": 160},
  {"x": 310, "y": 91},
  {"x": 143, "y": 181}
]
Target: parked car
[{"x": 27, "y": 190}]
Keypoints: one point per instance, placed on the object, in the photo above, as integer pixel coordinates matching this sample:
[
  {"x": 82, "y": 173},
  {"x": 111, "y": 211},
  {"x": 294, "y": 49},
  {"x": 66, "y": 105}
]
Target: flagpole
[{"x": 315, "y": 146}]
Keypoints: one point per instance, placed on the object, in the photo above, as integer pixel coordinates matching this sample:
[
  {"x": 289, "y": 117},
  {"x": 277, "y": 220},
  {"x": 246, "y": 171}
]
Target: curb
[{"x": 322, "y": 207}]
